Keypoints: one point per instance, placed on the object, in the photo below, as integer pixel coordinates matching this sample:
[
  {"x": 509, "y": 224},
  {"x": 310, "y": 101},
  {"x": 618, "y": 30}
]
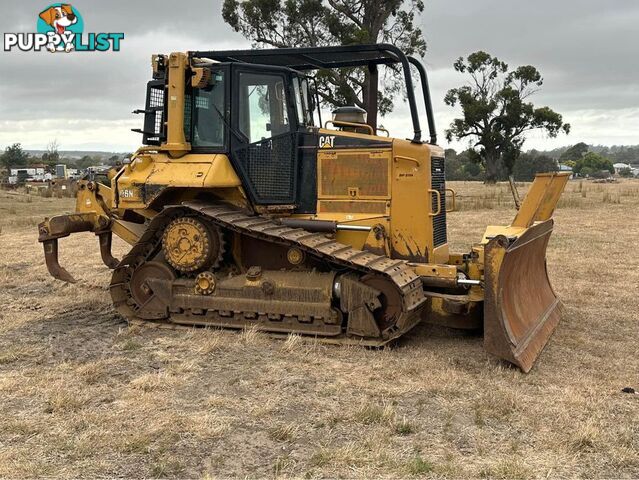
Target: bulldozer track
[{"x": 338, "y": 255}]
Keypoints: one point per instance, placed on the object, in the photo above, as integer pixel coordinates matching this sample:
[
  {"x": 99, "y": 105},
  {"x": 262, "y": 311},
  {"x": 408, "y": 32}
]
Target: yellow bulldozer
[{"x": 244, "y": 210}]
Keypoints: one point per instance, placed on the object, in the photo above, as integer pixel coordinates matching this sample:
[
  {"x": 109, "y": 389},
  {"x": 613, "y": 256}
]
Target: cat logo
[{"x": 326, "y": 141}]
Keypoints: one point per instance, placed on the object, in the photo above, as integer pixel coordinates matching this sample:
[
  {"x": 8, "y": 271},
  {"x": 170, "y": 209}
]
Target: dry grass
[{"x": 82, "y": 395}]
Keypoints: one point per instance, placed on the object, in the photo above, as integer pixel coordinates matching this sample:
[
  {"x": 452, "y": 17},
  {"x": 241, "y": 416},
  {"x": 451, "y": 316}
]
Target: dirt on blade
[{"x": 83, "y": 395}]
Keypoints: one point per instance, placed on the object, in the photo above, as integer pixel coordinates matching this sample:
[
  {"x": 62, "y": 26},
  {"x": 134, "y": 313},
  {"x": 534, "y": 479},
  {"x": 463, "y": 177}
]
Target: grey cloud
[
  {"x": 133, "y": 16},
  {"x": 584, "y": 48},
  {"x": 101, "y": 85}
]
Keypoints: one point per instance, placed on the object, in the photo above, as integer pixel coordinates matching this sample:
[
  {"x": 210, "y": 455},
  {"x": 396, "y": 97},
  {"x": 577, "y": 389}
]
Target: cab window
[
  {"x": 263, "y": 107},
  {"x": 208, "y": 113},
  {"x": 303, "y": 101}
]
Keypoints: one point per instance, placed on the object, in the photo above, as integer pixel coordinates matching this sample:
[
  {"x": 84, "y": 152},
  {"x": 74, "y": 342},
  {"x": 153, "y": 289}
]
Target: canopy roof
[
  {"x": 315, "y": 58},
  {"x": 311, "y": 58}
]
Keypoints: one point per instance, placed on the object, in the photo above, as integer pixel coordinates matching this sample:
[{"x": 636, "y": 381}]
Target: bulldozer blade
[
  {"x": 53, "y": 265},
  {"x": 521, "y": 310}
]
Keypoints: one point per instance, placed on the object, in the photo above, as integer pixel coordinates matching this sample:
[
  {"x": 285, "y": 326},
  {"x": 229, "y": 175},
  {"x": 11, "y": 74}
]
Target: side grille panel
[
  {"x": 438, "y": 182},
  {"x": 366, "y": 171}
]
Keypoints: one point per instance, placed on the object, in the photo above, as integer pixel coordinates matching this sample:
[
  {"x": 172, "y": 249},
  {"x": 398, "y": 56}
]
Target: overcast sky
[{"x": 587, "y": 51}]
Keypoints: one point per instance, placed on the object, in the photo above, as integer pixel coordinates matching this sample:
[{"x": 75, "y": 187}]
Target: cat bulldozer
[{"x": 243, "y": 211}]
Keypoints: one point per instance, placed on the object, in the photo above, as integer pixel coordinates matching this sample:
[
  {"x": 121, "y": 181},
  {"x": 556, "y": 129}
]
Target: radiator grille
[
  {"x": 438, "y": 182},
  {"x": 269, "y": 166},
  {"x": 365, "y": 171},
  {"x": 345, "y": 206}
]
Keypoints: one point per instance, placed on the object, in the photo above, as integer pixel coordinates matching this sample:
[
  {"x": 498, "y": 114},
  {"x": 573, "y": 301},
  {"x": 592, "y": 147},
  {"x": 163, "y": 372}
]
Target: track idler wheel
[
  {"x": 191, "y": 245},
  {"x": 148, "y": 303},
  {"x": 390, "y": 300},
  {"x": 373, "y": 304}
]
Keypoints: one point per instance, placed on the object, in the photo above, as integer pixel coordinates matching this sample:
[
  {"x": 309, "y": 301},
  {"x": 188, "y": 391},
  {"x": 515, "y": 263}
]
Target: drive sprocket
[{"x": 191, "y": 245}]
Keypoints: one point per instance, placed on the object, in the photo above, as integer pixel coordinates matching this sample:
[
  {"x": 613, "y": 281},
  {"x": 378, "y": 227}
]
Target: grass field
[{"x": 83, "y": 395}]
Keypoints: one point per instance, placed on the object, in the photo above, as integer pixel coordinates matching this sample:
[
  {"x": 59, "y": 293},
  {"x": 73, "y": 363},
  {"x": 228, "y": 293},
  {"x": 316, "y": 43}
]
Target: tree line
[
  {"x": 584, "y": 160},
  {"x": 628, "y": 154},
  {"x": 467, "y": 165},
  {"x": 14, "y": 156}
]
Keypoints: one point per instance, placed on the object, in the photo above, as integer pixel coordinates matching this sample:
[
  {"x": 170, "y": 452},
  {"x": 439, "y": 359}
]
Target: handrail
[
  {"x": 448, "y": 189},
  {"x": 410, "y": 159},
  {"x": 382, "y": 129},
  {"x": 410, "y": 92},
  {"x": 427, "y": 100},
  {"x": 337, "y": 123},
  {"x": 439, "y": 203}
]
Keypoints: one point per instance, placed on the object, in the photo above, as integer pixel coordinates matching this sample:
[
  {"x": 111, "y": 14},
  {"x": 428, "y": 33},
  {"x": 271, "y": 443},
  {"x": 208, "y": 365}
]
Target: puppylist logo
[{"x": 60, "y": 28}]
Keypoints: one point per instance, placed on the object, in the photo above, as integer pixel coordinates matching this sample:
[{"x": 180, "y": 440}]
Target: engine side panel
[{"x": 152, "y": 174}]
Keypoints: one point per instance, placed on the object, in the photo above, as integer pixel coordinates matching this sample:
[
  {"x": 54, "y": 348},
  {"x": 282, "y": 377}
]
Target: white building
[
  {"x": 566, "y": 168},
  {"x": 74, "y": 173},
  {"x": 621, "y": 166},
  {"x": 31, "y": 173}
]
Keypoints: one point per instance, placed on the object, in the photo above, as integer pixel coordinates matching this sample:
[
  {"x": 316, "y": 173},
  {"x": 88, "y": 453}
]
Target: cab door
[{"x": 264, "y": 141}]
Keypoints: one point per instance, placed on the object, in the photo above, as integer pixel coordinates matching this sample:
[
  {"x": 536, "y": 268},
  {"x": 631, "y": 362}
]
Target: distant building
[
  {"x": 566, "y": 168},
  {"x": 32, "y": 170},
  {"x": 74, "y": 173},
  {"x": 98, "y": 168},
  {"x": 634, "y": 169},
  {"x": 621, "y": 166},
  {"x": 23, "y": 174}
]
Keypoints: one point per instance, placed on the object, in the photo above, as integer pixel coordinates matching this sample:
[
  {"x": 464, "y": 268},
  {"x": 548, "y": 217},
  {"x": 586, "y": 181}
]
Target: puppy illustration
[{"x": 59, "y": 18}]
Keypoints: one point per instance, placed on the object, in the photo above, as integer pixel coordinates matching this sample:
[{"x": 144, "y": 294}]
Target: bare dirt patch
[{"x": 83, "y": 395}]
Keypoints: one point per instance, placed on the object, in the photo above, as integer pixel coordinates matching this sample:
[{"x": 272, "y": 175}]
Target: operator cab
[{"x": 257, "y": 107}]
